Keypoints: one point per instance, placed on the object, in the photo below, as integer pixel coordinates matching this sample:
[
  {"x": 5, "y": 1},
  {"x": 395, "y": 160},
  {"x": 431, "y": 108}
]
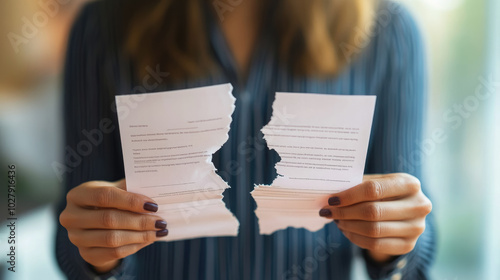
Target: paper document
[
  {"x": 322, "y": 141},
  {"x": 168, "y": 139}
]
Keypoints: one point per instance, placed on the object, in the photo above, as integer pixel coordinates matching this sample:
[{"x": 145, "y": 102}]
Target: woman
[{"x": 333, "y": 47}]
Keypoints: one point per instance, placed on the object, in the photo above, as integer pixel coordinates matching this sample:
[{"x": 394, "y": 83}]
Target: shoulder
[
  {"x": 96, "y": 68},
  {"x": 393, "y": 41},
  {"x": 96, "y": 39},
  {"x": 98, "y": 23},
  {"x": 395, "y": 27},
  {"x": 395, "y": 44},
  {"x": 102, "y": 10}
]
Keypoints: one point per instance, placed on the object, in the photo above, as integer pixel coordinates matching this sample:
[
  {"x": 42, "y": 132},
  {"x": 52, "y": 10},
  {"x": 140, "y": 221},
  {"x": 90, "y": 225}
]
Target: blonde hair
[{"x": 310, "y": 35}]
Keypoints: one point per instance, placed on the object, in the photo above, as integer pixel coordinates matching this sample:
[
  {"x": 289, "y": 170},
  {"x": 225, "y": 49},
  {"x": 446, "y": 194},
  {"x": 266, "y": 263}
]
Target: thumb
[{"x": 121, "y": 184}]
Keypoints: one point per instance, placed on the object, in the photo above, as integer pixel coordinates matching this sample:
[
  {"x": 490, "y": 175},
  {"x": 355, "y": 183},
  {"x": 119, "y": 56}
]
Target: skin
[
  {"x": 241, "y": 30},
  {"x": 107, "y": 223},
  {"x": 385, "y": 214},
  {"x": 104, "y": 221}
]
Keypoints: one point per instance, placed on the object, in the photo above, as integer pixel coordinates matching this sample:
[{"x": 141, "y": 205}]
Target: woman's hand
[
  {"x": 385, "y": 214},
  {"x": 107, "y": 223}
]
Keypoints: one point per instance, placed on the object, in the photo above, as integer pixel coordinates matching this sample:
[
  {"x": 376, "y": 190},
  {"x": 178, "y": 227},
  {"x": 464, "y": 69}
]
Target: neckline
[{"x": 225, "y": 55}]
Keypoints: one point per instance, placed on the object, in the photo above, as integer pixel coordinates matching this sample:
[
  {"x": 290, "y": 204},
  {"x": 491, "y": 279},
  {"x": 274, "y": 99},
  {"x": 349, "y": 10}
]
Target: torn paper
[
  {"x": 322, "y": 141},
  {"x": 168, "y": 139}
]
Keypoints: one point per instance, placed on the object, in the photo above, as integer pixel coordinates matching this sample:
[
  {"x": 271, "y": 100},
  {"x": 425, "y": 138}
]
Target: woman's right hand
[{"x": 107, "y": 223}]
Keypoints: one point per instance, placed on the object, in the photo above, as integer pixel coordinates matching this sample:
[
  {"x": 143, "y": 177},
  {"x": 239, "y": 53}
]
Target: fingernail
[
  {"x": 149, "y": 206},
  {"x": 161, "y": 233},
  {"x": 325, "y": 212},
  {"x": 160, "y": 224},
  {"x": 334, "y": 200}
]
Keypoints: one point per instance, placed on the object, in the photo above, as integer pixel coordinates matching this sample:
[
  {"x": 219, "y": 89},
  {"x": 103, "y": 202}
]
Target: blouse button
[
  {"x": 401, "y": 263},
  {"x": 396, "y": 276}
]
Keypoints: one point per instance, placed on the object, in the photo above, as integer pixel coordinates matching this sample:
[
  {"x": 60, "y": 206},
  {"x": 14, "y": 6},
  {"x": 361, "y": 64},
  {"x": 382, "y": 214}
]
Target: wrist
[
  {"x": 380, "y": 258},
  {"x": 101, "y": 269}
]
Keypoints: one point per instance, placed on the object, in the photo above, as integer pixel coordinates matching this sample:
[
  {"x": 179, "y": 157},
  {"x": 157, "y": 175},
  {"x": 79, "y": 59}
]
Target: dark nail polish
[
  {"x": 334, "y": 200},
  {"x": 161, "y": 224},
  {"x": 149, "y": 206},
  {"x": 325, "y": 212},
  {"x": 161, "y": 233}
]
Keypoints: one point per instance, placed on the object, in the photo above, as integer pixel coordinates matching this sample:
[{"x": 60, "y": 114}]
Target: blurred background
[{"x": 462, "y": 166}]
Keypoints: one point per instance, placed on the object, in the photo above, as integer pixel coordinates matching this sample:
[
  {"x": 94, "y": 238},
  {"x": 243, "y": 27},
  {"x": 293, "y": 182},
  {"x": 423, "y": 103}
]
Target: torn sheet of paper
[
  {"x": 168, "y": 139},
  {"x": 322, "y": 141}
]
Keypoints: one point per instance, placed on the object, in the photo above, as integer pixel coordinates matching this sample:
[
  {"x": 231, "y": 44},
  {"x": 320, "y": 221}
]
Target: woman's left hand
[{"x": 385, "y": 214}]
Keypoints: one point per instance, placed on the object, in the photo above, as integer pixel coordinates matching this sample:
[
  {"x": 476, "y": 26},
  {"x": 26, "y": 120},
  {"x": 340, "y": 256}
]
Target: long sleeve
[
  {"x": 397, "y": 130},
  {"x": 95, "y": 72},
  {"x": 92, "y": 150}
]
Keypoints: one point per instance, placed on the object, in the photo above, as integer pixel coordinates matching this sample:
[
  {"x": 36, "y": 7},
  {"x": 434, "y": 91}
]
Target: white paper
[
  {"x": 168, "y": 139},
  {"x": 322, "y": 141}
]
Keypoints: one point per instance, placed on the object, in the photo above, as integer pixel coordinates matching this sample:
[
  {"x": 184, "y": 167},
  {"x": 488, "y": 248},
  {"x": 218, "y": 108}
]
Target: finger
[
  {"x": 397, "y": 210},
  {"x": 113, "y": 238},
  {"x": 377, "y": 187},
  {"x": 102, "y": 194},
  {"x": 110, "y": 219},
  {"x": 121, "y": 184},
  {"x": 390, "y": 245},
  {"x": 98, "y": 256},
  {"x": 405, "y": 229}
]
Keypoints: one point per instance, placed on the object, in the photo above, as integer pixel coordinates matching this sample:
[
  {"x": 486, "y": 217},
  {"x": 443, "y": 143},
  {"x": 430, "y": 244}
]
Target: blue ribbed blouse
[{"x": 391, "y": 66}]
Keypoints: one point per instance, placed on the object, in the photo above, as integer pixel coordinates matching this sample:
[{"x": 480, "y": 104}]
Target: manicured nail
[
  {"x": 160, "y": 224},
  {"x": 334, "y": 200},
  {"x": 161, "y": 233},
  {"x": 325, "y": 212},
  {"x": 149, "y": 206}
]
